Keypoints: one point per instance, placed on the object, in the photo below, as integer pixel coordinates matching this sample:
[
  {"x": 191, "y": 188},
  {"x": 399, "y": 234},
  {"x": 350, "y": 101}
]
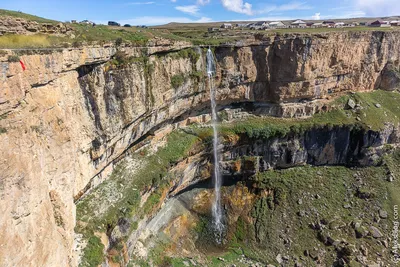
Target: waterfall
[{"x": 216, "y": 206}]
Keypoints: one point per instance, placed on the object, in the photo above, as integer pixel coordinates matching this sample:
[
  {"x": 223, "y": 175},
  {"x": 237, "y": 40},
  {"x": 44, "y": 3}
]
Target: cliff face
[
  {"x": 346, "y": 146},
  {"x": 177, "y": 211},
  {"x": 71, "y": 114}
]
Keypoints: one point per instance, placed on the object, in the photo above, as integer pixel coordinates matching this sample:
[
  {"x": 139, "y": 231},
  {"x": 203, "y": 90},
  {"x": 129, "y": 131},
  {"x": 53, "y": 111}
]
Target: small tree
[
  {"x": 177, "y": 81},
  {"x": 118, "y": 42},
  {"x": 13, "y": 58}
]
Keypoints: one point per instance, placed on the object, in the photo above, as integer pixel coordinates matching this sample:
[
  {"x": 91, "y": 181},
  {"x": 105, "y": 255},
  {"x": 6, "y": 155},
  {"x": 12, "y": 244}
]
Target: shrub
[
  {"x": 93, "y": 253},
  {"x": 177, "y": 81},
  {"x": 77, "y": 44},
  {"x": 121, "y": 58},
  {"x": 118, "y": 42},
  {"x": 13, "y": 58}
]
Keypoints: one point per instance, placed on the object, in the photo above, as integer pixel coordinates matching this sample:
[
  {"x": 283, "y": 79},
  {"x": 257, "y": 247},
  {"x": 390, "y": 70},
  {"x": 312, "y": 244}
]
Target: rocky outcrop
[
  {"x": 339, "y": 145},
  {"x": 390, "y": 78},
  {"x": 290, "y": 68},
  {"x": 70, "y": 115},
  {"x": 21, "y": 26}
]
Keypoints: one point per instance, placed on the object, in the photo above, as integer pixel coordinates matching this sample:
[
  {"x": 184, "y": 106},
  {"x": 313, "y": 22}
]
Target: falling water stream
[{"x": 216, "y": 206}]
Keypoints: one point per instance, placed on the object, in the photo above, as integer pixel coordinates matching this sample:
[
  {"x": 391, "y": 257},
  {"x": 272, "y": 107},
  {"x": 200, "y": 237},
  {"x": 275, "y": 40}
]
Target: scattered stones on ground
[
  {"x": 279, "y": 258},
  {"x": 301, "y": 213}
]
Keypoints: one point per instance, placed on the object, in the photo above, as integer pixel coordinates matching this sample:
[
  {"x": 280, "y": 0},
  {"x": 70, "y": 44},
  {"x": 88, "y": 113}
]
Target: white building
[
  {"x": 318, "y": 25},
  {"x": 298, "y": 24},
  {"x": 339, "y": 25},
  {"x": 395, "y": 23},
  {"x": 260, "y": 25},
  {"x": 277, "y": 25},
  {"x": 226, "y": 26}
]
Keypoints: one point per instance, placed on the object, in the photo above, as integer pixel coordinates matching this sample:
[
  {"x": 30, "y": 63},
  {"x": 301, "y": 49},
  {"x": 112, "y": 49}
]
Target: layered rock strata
[{"x": 71, "y": 114}]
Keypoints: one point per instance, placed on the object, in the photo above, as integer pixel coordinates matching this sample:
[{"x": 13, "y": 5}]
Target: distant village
[
  {"x": 110, "y": 23},
  {"x": 264, "y": 25}
]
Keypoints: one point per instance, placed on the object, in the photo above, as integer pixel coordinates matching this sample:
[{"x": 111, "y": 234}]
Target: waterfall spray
[{"x": 216, "y": 207}]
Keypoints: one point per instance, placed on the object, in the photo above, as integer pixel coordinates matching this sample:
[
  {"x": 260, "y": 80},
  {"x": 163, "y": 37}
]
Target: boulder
[
  {"x": 383, "y": 214},
  {"x": 351, "y": 104},
  {"x": 374, "y": 232},
  {"x": 390, "y": 78}
]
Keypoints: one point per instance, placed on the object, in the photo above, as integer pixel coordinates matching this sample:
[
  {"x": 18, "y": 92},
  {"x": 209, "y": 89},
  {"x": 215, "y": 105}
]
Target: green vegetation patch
[
  {"x": 88, "y": 33},
  {"x": 177, "y": 80},
  {"x": 120, "y": 195},
  {"x": 186, "y": 53},
  {"x": 30, "y": 41},
  {"x": 299, "y": 199},
  {"x": 93, "y": 253},
  {"x": 13, "y": 58},
  {"x": 378, "y": 108}
]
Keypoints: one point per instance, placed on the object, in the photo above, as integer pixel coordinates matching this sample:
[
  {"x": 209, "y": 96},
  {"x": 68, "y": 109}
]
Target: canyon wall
[{"x": 72, "y": 113}]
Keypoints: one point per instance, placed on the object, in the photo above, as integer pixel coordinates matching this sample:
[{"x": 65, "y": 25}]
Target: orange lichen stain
[
  {"x": 240, "y": 202},
  {"x": 202, "y": 202},
  {"x": 178, "y": 231},
  {"x": 231, "y": 138},
  {"x": 237, "y": 165}
]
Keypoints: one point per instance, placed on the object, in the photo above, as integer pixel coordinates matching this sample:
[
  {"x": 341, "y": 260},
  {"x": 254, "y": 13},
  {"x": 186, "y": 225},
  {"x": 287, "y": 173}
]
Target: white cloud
[
  {"x": 149, "y": 20},
  {"x": 192, "y": 10},
  {"x": 141, "y": 3},
  {"x": 316, "y": 16},
  {"x": 202, "y": 2},
  {"x": 237, "y": 6},
  {"x": 378, "y": 7},
  {"x": 173, "y": 1}
]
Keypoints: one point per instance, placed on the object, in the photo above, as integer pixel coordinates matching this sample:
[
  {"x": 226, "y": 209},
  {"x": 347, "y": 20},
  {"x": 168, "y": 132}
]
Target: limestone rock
[
  {"x": 390, "y": 77},
  {"x": 383, "y": 214},
  {"x": 70, "y": 118},
  {"x": 375, "y": 232},
  {"x": 351, "y": 104}
]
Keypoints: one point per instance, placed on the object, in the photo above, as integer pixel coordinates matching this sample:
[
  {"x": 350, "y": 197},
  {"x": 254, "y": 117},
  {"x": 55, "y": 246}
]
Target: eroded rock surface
[{"x": 68, "y": 117}]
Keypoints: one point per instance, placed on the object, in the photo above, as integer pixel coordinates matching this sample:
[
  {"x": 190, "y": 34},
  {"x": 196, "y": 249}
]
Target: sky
[{"x": 157, "y": 12}]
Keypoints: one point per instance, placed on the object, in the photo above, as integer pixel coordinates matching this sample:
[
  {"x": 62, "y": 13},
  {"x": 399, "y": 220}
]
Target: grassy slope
[
  {"x": 154, "y": 168},
  {"x": 29, "y": 17},
  {"x": 324, "y": 192},
  {"x": 335, "y": 187},
  {"x": 120, "y": 195}
]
